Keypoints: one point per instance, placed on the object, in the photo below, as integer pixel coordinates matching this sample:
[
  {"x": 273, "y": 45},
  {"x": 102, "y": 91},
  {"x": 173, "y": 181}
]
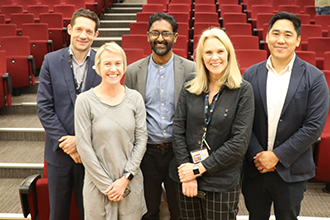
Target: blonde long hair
[{"x": 231, "y": 76}]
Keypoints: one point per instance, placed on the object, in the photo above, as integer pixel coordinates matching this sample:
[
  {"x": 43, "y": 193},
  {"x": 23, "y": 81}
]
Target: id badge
[{"x": 199, "y": 155}]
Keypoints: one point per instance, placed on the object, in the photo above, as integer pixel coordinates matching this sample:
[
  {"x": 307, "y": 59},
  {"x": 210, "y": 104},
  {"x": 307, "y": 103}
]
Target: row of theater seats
[
  {"x": 248, "y": 18},
  {"x": 29, "y": 29}
]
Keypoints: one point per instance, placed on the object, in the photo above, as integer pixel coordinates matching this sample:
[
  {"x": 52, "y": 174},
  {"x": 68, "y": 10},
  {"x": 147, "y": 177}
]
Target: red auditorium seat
[
  {"x": 20, "y": 62},
  {"x": 303, "y": 3},
  {"x": 37, "y": 10},
  {"x": 231, "y": 17},
  {"x": 136, "y": 41},
  {"x": 323, "y": 150},
  {"x": 138, "y": 28},
  {"x": 204, "y": 2},
  {"x": 39, "y": 41},
  {"x": 179, "y": 8},
  {"x": 25, "y": 3},
  {"x": 310, "y": 9},
  {"x": 7, "y": 30},
  {"x": 180, "y": 52},
  {"x": 304, "y": 18},
  {"x": 183, "y": 28},
  {"x": 228, "y": 8},
  {"x": 277, "y": 3},
  {"x": 231, "y": 2},
  {"x": 181, "y": 2},
  {"x": 143, "y": 16},
  {"x": 256, "y": 9},
  {"x": 77, "y": 3},
  {"x": 5, "y": 82},
  {"x": 324, "y": 21},
  {"x": 6, "y": 2},
  {"x": 262, "y": 18},
  {"x": 163, "y": 2},
  {"x": 182, "y": 43},
  {"x": 7, "y": 10},
  {"x": 319, "y": 45},
  {"x": 21, "y": 18},
  {"x": 35, "y": 200},
  {"x": 181, "y": 17},
  {"x": 67, "y": 11},
  {"x": 206, "y": 17},
  {"x": 2, "y": 19},
  {"x": 307, "y": 31},
  {"x": 326, "y": 64},
  {"x": 152, "y": 8},
  {"x": 245, "y": 42},
  {"x": 249, "y": 57},
  {"x": 57, "y": 33},
  {"x": 205, "y": 8},
  {"x": 133, "y": 54},
  {"x": 250, "y": 3},
  {"x": 199, "y": 27},
  {"x": 238, "y": 29},
  {"x": 308, "y": 56},
  {"x": 50, "y": 3},
  {"x": 295, "y": 9}
]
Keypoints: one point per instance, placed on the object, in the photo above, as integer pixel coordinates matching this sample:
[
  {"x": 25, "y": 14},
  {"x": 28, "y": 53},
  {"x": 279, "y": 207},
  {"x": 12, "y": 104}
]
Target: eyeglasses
[{"x": 155, "y": 34}]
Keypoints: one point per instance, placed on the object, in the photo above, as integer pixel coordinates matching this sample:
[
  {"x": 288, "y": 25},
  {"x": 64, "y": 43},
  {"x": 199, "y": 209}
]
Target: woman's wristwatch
[
  {"x": 128, "y": 175},
  {"x": 196, "y": 169}
]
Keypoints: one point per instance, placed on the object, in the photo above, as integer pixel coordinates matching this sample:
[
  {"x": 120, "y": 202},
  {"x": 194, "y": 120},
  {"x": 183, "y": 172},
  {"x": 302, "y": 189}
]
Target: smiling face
[
  {"x": 159, "y": 45},
  {"x": 82, "y": 34},
  {"x": 215, "y": 57},
  {"x": 282, "y": 41},
  {"x": 111, "y": 67}
]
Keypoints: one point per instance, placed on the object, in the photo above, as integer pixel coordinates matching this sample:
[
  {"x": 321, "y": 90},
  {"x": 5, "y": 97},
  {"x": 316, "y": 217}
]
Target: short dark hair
[
  {"x": 287, "y": 16},
  {"x": 163, "y": 16},
  {"x": 87, "y": 14}
]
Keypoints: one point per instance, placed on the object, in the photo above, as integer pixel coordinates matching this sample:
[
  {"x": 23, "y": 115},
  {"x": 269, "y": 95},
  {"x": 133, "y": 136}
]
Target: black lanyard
[
  {"x": 208, "y": 115},
  {"x": 77, "y": 87}
]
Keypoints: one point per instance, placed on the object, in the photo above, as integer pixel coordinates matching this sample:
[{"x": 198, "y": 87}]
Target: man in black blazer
[
  {"x": 291, "y": 107},
  {"x": 64, "y": 74}
]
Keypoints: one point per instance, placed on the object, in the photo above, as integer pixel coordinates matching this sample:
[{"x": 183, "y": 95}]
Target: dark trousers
[
  {"x": 61, "y": 182},
  {"x": 264, "y": 189},
  {"x": 214, "y": 206},
  {"x": 155, "y": 167}
]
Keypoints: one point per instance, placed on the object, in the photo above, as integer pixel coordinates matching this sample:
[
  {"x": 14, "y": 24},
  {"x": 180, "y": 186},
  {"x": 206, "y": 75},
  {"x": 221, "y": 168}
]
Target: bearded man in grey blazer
[{"x": 159, "y": 78}]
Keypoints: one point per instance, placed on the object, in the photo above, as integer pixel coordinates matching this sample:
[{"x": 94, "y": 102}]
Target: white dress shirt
[{"x": 276, "y": 90}]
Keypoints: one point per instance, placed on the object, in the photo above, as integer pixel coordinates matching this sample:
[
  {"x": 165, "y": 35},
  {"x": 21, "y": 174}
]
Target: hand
[
  {"x": 116, "y": 190},
  {"x": 68, "y": 144},
  {"x": 190, "y": 188},
  {"x": 186, "y": 173},
  {"x": 76, "y": 157},
  {"x": 266, "y": 161}
]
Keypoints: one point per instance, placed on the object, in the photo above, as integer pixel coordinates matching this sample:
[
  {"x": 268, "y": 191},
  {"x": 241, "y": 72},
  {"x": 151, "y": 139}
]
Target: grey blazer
[{"x": 136, "y": 74}]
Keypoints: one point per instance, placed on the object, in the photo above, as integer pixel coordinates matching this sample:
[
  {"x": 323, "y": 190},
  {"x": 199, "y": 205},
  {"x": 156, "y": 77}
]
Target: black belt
[{"x": 163, "y": 146}]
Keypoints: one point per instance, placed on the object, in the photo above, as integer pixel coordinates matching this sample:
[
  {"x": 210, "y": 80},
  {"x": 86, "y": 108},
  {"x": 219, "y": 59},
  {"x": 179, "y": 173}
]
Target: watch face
[{"x": 196, "y": 170}]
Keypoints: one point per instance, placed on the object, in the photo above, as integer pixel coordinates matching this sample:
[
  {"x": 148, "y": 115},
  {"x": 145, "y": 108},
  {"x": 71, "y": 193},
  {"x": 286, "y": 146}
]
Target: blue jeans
[{"x": 322, "y": 10}]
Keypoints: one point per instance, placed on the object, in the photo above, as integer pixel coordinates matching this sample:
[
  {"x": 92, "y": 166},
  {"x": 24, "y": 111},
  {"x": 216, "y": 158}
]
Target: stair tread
[
  {"x": 15, "y": 121},
  {"x": 9, "y": 195},
  {"x": 22, "y": 151}
]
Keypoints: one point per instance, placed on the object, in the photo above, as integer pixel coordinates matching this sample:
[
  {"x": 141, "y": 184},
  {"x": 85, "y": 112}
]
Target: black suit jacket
[
  {"x": 56, "y": 99},
  {"x": 301, "y": 122}
]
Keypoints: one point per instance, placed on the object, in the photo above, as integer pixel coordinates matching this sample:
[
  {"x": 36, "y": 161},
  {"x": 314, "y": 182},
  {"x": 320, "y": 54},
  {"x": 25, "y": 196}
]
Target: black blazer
[
  {"x": 301, "y": 122},
  {"x": 228, "y": 135},
  {"x": 56, "y": 99}
]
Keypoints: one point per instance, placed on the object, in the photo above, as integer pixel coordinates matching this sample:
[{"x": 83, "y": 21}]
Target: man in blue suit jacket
[
  {"x": 64, "y": 74},
  {"x": 291, "y": 107}
]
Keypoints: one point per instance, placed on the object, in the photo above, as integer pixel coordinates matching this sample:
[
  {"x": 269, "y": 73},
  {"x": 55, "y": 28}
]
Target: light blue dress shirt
[{"x": 159, "y": 101}]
